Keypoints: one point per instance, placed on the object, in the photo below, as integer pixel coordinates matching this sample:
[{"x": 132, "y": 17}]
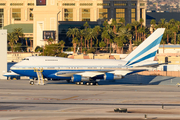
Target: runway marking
[
  {"x": 50, "y": 98},
  {"x": 100, "y": 93},
  {"x": 69, "y": 98},
  {"x": 134, "y": 104},
  {"x": 89, "y": 99}
]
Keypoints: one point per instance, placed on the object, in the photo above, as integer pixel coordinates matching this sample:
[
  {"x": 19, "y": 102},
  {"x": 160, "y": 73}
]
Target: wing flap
[
  {"x": 126, "y": 72},
  {"x": 91, "y": 73}
]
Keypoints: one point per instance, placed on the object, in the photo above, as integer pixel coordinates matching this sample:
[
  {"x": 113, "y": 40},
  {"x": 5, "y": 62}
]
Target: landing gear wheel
[
  {"x": 96, "y": 83},
  {"x": 91, "y": 84},
  {"x": 31, "y": 82},
  {"x": 77, "y": 83}
]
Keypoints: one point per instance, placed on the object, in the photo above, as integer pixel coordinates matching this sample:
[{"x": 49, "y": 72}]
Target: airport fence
[{"x": 161, "y": 73}]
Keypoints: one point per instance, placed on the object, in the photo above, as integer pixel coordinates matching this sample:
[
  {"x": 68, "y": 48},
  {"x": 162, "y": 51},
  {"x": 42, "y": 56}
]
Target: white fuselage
[{"x": 54, "y": 62}]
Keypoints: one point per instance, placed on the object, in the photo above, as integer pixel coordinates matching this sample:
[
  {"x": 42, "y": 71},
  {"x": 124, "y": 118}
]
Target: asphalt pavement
[{"x": 62, "y": 101}]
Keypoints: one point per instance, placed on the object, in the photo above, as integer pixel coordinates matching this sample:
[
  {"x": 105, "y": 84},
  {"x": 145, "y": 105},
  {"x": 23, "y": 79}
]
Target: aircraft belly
[{"x": 22, "y": 72}]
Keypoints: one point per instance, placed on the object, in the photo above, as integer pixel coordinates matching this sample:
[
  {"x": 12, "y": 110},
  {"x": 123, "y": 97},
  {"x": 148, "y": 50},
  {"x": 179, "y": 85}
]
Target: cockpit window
[{"x": 26, "y": 59}]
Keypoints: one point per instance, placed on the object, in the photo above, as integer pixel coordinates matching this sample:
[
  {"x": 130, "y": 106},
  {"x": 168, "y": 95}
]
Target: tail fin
[{"x": 146, "y": 51}]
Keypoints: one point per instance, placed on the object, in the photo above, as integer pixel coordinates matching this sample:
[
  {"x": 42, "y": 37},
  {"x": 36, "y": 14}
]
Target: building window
[
  {"x": 86, "y": 4},
  {"x": 142, "y": 13},
  {"x": 68, "y": 14},
  {"x": 30, "y": 4},
  {"x": 103, "y": 4},
  {"x": 120, "y": 4},
  {"x": 16, "y": 14},
  {"x": 2, "y": 4},
  {"x": 16, "y": 4},
  {"x": 30, "y": 14},
  {"x": 85, "y": 14},
  {"x": 1, "y": 17},
  {"x": 40, "y": 2},
  {"x": 133, "y": 15},
  {"x": 120, "y": 13},
  {"x": 133, "y": 4},
  {"x": 103, "y": 14},
  {"x": 68, "y": 4},
  {"x": 142, "y": 4}
]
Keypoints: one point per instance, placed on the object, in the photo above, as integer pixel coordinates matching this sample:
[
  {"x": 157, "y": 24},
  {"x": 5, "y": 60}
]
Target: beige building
[{"x": 36, "y": 17}]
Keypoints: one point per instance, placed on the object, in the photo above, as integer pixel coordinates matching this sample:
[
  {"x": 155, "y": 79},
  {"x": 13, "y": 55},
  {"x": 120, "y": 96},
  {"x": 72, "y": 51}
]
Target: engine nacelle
[
  {"x": 79, "y": 78},
  {"x": 111, "y": 76}
]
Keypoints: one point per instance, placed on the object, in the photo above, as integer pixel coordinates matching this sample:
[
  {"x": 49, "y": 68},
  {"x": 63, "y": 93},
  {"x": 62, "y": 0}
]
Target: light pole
[{"x": 57, "y": 32}]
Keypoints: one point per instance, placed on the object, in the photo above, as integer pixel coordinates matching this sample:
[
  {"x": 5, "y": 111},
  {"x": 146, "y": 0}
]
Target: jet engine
[
  {"x": 79, "y": 78},
  {"x": 111, "y": 76}
]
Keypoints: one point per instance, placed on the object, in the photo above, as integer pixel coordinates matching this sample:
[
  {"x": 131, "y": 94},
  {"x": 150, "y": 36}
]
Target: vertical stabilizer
[{"x": 147, "y": 50}]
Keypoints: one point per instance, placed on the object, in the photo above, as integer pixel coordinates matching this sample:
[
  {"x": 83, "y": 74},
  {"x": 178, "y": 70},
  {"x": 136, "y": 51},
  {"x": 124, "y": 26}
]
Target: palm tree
[
  {"x": 86, "y": 25},
  {"x": 31, "y": 41},
  {"x": 50, "y": 40},
  {"x": 102, "y": 44},
  {"x": 178, "y": 38},
  {"x": 114, "y": 24},
  {"x": 82, "y": 34},
  {"x": 86, "y": 37},
  {"x": 110, "y": 38},
  {"x": 75, "y": 42},
  {"x": 105, "y": 23},
  {"x": 73, "y": 32},
  {"x": 178, "y": 24},
  {"x": 122, "y": 21},
  {"x": 97, "y": 30},
  {"x": 167, "y": 25},
  {"x": 11, "y": 37},
  {"x": 135, "y": 24},
  {"x": 174, "y": 30},
  {"x": 92, "y": 35},
  {"x": 162, "y": 23},
  {"x": 141, "y": 31},
  {"x": 168, "y": 32},
  {"x": 141, "y": 22},
  {"x": 121, "y": 38},
  {"x": 105, "y": 36},
  {"x": 18, "y": 32},
  {"x": 26, "y": 42},
  {"x": 62, "y": 45},
  {"x": 129, "y": 36},
  {"x": 153, "y": 23},
  {"x": 129, "y": 27},
  {"x": 172, "y": 22},
  {"x": 119, "y": 44}
]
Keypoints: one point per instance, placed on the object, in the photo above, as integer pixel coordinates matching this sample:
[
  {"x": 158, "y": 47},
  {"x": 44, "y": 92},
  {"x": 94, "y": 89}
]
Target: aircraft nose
[{"x": 14, "y": 67}]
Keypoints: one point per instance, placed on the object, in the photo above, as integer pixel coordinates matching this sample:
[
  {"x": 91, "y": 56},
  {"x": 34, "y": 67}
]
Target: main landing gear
[{"x": 87, "y": 83}]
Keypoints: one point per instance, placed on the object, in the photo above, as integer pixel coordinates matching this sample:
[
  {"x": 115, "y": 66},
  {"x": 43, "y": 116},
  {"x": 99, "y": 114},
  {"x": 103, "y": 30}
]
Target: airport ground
[{"x": 58, "y": 100}]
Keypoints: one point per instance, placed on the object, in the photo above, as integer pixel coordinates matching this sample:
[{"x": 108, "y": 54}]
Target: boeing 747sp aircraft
[{"x": 89, "y": 70}]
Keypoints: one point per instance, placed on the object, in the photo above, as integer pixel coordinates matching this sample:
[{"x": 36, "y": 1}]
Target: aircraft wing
[
  {"x": 84, "y": 74},
  {"x": 92, "y": 74}
]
